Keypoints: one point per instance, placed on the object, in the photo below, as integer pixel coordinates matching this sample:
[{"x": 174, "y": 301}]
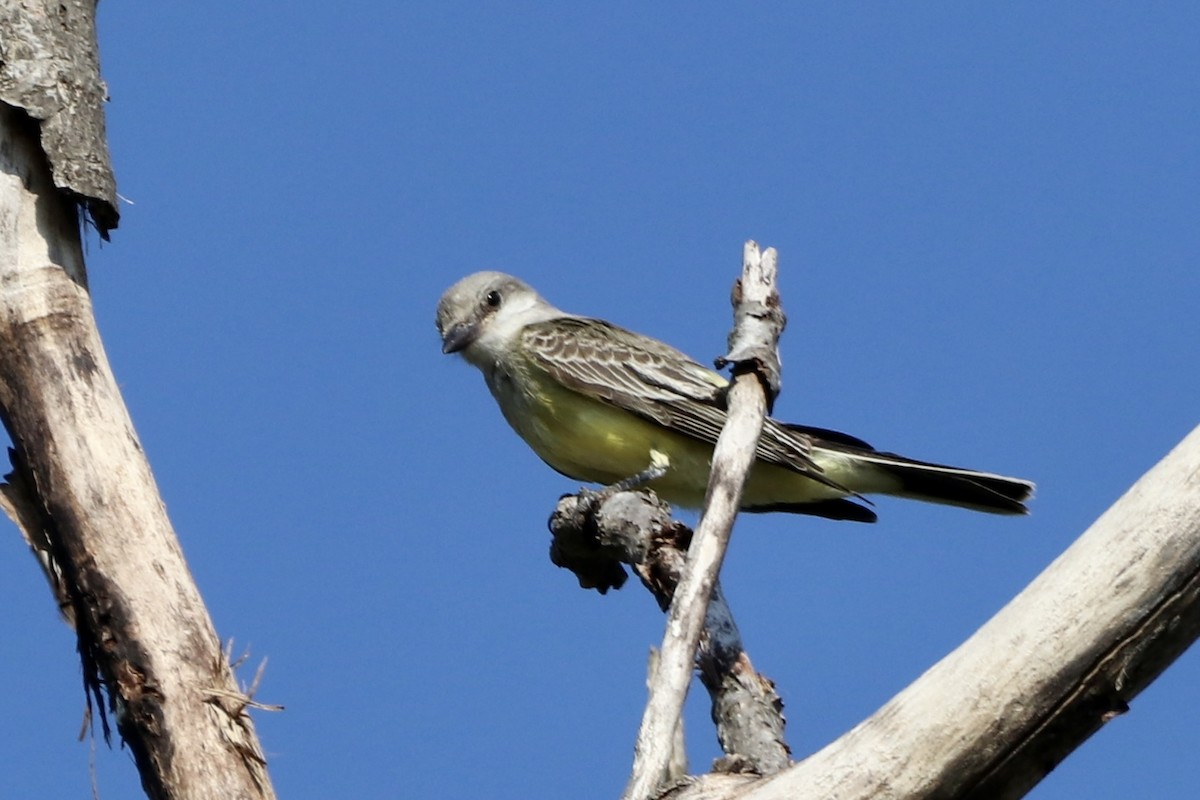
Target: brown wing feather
[{"x": 653, "y": 380}]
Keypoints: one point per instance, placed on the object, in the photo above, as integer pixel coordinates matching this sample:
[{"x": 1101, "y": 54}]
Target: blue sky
[{"x": 986, "y": 219}]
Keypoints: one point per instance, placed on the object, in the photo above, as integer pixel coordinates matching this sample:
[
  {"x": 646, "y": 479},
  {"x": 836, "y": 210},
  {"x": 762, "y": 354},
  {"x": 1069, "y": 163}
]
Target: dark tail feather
[
  {"x": 838, "y": 508},
  {"x": 939, "y": 483},
  {"x": 924, "y": 480}
]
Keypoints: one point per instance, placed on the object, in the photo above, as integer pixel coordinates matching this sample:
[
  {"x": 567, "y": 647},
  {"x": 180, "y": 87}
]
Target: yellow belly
[{"x": 590, "y": 440}]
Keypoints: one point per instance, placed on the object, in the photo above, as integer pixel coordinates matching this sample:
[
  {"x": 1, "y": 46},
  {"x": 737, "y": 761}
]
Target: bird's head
[{"x": 486, "y": 305}]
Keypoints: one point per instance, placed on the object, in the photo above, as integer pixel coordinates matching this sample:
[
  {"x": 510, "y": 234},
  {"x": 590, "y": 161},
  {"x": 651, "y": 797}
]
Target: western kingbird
[{"x": 602, "y": 404}]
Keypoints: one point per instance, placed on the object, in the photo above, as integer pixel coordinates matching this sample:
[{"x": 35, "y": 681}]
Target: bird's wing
[{"x": 653, "y": 380}]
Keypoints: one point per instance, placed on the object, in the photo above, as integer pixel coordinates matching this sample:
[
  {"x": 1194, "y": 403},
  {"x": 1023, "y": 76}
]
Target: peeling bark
[
  {"x": 83, "y": 495},
  {"x": 50, "y": 68}
]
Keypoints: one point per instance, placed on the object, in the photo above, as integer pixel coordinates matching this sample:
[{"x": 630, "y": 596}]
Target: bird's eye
[{"x": 493, "y": 299}]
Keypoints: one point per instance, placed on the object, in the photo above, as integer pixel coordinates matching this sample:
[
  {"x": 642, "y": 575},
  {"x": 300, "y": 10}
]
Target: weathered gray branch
[
  {"x": 81, "y": 490},
  {"x": 732, "y": 457},
  {"x": 746, "y": 709},
  {"x": 592, "y": 534},
  {"x": 1065, "y": 656}
]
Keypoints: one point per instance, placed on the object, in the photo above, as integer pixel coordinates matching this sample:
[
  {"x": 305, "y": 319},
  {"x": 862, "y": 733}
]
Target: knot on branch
[
  {"x": 594, "y": 533},
  {"x": 758, "y": 322}
]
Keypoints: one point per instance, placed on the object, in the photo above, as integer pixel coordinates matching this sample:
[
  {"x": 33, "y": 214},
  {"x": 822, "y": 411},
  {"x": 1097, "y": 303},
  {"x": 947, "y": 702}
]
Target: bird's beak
[{"x": 459, "y": 336}]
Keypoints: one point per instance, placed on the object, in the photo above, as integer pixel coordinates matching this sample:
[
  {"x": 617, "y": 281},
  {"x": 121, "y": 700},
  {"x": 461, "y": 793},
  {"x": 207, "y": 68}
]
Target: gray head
[{"x": 487, "y": 305}]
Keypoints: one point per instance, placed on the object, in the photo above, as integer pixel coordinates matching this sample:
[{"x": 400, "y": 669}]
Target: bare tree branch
[
  {"x": 590, "y": 537},
  {"x": 81, "y": 490},
  {"x": 85, "y": 493},
  {"x": 1065, "y": 656},
  {"x": 732, "y": 457}
]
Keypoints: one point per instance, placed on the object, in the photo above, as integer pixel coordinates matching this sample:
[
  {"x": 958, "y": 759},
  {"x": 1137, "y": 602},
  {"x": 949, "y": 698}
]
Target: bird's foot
[{"x": 658, "y": 467}]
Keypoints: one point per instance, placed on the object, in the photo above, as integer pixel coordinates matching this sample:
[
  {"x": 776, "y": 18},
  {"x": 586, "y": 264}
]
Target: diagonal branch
[
  {"x": 81, "y": 489},
  {"x": 732, "y": 458},
  {"x": 592, "y": 540},
  {"x": 1064, "y": 657}
]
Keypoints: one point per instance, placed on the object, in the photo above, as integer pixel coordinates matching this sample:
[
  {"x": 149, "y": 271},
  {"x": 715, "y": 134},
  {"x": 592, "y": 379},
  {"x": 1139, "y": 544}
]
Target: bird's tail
[
  {"x": 923, "y": 480},
  {"x": 937, "y": 483}
]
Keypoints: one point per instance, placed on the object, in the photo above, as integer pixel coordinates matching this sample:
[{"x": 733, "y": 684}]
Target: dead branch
[
  {"x": 732, "y": 457},
  {"x": 593, "y": 538},
  {"x": 1068, "y": 654},
  {"x": 81, "y": 490}
]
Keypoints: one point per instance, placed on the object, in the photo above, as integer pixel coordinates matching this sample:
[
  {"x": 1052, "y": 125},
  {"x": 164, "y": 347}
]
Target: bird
[{"x": 605, "y": 405}]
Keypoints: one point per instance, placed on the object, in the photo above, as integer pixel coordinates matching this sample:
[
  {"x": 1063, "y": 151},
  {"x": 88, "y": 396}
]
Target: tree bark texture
[
  {"x": 143, "y": 629},
  {"x": 758, "y": 322},
  {"x": 593, "y": 534},
  {"x": 1069, "y": 653},
  {"x": 50, "y": 68}
]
